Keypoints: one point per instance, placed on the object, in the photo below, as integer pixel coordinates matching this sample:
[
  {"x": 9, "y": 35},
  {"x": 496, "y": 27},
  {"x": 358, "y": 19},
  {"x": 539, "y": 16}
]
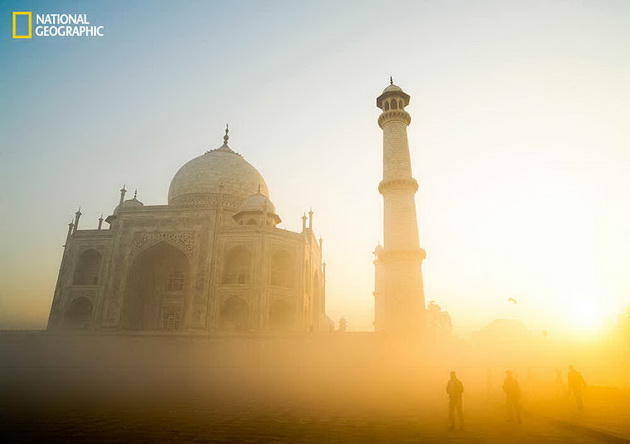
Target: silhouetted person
[
  {"x": 576, "y": 384},
  {"x": 455, "y": 389},
  {"x": 512, "y": 390}
]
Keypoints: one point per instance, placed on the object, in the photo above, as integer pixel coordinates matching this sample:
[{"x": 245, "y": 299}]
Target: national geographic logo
[
  {"x": 29, "y": 25},
  {"x": 54, "y": 25}
]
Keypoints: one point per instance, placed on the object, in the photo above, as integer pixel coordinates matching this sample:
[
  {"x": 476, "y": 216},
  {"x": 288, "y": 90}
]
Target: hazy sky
[{"x": 519, "y": 139}]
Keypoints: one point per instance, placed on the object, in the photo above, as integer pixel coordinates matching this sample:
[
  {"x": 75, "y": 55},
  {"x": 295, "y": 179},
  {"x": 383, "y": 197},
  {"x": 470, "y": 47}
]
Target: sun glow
[{"x": 586, "y": 315}]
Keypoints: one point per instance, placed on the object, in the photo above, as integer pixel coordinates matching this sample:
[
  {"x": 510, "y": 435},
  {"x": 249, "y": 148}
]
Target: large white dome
[{"x": 198, "y": 181}]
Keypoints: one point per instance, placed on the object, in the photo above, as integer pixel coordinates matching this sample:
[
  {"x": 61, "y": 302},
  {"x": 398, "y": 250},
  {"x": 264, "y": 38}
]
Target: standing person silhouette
[
  {"x": 512, "y": 390},
  {"x": 576, "y": 384},
  {"x": 455, "y": 389}
]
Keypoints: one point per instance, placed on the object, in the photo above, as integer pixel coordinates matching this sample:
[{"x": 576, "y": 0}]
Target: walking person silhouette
[
  {"x": 455, "y": 389},
  {"x": 512, "y": 390},
  {"x": 576, "y": 384}
]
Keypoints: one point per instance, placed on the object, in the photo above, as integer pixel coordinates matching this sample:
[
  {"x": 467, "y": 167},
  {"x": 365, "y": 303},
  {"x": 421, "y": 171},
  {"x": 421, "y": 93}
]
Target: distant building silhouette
[
  {"x": 342, "y": 324},
  {"x": 438, "y": 322}
]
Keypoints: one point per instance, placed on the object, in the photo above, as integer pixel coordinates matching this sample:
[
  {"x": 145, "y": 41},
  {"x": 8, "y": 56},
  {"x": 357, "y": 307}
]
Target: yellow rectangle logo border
[{"x": 30, "y": 25}]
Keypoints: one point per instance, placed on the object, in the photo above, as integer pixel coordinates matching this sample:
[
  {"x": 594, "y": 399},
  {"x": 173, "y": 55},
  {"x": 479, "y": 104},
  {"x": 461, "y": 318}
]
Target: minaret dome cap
[
  {"x": 391, "y": 88},
  {"x": 392, "y": 91}
]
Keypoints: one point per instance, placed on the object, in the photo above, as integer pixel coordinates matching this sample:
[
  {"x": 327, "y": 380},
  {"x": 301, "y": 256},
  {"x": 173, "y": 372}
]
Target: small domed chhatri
[
  {"x": 201, "y": 180},
  {"x": 212, "y": 260},
  {"x": 129, "y": 204},
  {"x": 393, "y": 102},
  {"x": 257, "y": 209},
  {"x": 132, "y": 203},
  {"x": 258, "y": 202}
]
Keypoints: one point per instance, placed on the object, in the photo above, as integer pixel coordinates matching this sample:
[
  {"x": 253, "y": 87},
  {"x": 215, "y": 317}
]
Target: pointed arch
[
  {"x": 88, "y": 268},
  {"x": 158, "y": 272},
  {"x": 159, "y": 241},
  {"x": 237, "y": 268}
]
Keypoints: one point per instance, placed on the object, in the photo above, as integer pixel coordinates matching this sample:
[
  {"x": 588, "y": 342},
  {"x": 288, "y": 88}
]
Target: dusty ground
[
  {"x": 201, "y": 420},
  {"x": 296, "y": 390}
]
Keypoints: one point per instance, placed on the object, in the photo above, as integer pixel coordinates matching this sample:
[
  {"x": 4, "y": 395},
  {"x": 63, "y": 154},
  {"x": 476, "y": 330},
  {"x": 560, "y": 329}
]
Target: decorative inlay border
[
  {"x": 394, "y": 115},
  {"x": 184, "y": 239},
  {"x": 207, "y": 199},
  {"x": 76, "y": 294}
]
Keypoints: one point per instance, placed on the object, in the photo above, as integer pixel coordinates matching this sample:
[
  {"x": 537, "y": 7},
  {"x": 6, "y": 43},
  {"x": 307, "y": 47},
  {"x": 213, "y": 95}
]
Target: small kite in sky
[{"x": 512, "y": 300}]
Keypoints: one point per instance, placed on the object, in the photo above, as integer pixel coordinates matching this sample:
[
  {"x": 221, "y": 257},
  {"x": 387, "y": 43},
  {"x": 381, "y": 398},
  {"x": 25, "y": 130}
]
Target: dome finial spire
[
  {"x": 226, "y": 137},
  {"x": 391, "y": 81}
]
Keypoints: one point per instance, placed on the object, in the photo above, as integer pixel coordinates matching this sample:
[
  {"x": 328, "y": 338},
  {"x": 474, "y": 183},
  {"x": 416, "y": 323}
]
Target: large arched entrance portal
[{"x": 156, "y": 288}]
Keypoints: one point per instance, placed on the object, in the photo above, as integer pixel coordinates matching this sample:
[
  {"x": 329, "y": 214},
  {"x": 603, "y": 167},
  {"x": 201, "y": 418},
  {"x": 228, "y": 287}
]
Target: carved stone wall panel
[
  {"x": 202, "y": 199},
  {"x": 197, "y": 305},
  {"x": 245, "y": 294},
  {"x": 85, "y": 246},
  {"x": 227, "y": 243},
  {"x": 290, "y": 247},
  {"x": 183, "y": 239},
  {"x": 91, "y": 294},
  {"x": 106, "y": 276},
  {"x": 168, "y": 222},
  {"x": 210, "y": 200},
  {"x": 200, "y": 312},
  {"x": 121, "y": 263},
  {"x": 285, "y": 294}
]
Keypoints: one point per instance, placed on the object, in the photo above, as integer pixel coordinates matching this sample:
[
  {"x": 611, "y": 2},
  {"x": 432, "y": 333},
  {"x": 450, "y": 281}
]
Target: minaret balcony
[
  {"x": 398, "y": 184},
  {"x": 415, "y": 254},
  {"x": 393, "y": 115}
]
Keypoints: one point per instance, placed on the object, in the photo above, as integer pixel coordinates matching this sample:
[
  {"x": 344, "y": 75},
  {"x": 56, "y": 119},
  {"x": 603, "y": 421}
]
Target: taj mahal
[{"x": 213, "y": 259}]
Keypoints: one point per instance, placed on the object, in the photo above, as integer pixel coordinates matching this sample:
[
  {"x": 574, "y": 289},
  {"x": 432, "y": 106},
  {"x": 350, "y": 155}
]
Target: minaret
[
  {"x": 399, "y": 307},
  {"x": 77, "y": 216},
  {"x": 123, "y": 191}
]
